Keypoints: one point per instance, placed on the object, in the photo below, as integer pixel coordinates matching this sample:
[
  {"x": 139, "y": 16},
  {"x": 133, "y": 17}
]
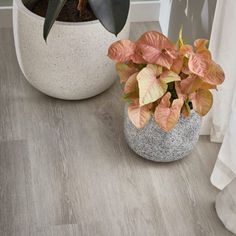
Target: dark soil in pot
[{"x": 69, "y": 12}]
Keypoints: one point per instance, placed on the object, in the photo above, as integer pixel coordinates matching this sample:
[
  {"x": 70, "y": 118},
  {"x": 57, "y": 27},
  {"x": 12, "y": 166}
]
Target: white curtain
[
  {"x": 220, "y": 123},
  {"x": 196, "y": 16}
]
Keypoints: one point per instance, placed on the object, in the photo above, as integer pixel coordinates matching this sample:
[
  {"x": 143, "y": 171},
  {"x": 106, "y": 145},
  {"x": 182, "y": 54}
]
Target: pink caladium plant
[{"x": 165, "y": 80}]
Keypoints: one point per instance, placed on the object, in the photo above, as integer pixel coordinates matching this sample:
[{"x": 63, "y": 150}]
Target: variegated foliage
[{"x": 165, "y": 79}]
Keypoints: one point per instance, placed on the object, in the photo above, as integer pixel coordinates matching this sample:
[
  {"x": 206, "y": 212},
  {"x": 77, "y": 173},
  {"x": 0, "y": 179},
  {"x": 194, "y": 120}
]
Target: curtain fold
[
  {"x": 225, "y": 167},
  {"x": 220, "y": 123}
]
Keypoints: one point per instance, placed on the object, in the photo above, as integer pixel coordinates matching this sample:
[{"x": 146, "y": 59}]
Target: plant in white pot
[
  {"x": 167, "y": 88},
  {"x": 72, "y": 63}
]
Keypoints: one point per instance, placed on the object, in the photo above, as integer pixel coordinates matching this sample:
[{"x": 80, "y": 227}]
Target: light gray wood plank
[
  {"x": 16, "y": 199},
  {"x": 226, "y": 206},
  {"x": 73, "y": 174},
  {"x": 189, "y": 182}
]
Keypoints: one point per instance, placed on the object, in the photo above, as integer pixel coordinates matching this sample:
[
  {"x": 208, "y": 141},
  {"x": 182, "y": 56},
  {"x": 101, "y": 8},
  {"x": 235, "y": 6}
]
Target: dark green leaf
[
  {"x": 111, "y": 13},
  {"x": 54, "y": 8},
  {"x": 29, "y": 3}
]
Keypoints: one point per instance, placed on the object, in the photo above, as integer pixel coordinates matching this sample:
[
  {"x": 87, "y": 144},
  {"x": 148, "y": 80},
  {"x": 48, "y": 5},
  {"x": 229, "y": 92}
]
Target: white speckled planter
[
  {"x": 73, "y": 64},
  {"x": 155, "y": 144}
]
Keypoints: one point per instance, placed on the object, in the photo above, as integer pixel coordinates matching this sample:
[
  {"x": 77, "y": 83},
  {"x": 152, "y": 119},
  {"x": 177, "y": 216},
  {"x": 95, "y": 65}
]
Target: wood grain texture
[
  {"x": 66, "y": 170},
  {"x": 226, "y": 206}
]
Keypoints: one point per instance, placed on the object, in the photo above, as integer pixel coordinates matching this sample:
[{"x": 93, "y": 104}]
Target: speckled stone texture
[
  {"x": 73, "y": 64},
  {"x": 155, "y": 144}
]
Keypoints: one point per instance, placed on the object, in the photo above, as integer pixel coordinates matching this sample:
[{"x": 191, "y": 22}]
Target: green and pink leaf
[
  {"x": 125, "y": 71},
  {"x": 169, "y": 76},
  {"x": 150, "y": 88}
]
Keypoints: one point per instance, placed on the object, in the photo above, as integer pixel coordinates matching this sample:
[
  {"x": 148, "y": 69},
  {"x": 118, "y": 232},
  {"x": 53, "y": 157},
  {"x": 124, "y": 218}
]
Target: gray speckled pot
[{"x": 155, "y": 144}]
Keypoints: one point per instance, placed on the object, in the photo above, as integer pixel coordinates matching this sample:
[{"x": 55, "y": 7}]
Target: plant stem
[
  {"x": 171, "y": 89},
  {"x": 81, "y": 6}
]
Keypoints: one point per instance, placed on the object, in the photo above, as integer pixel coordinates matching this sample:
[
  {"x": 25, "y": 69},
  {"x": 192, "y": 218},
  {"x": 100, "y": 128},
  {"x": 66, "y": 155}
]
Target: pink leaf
[
  {"x": 167, "y": 115},
  {"x": 208, "y": 70},
  {"x": 156, "y": 69},
  {"x": 137, "y": 57},
  {"x": 172, "y": 52},
  {"x": 122, "y": 50},
  {"x": 150, "y": 88},
  {"x": 186, "y": 50},
  {"x": 169, "y": 76},
  {"x": 125, "y": 71},
  {"x": 200, "y": 45},
  {"x": 177, "y": 65},
  {"x": 190, "y": 84},
  {"x": 157, "y": 49},
  {"x": 202, "y": 101},
  {"x": 139, "y": 116},
  {"x": 156, "y": 40},
  {"x": 215, "y": 74},
  {"x": 207, "y": 86},
  {"x": 186, "y": 111},
  {"x": 132, "y": 84},
  {"x": 199, "y": 65},
  {"x": 179, "y": 91}
]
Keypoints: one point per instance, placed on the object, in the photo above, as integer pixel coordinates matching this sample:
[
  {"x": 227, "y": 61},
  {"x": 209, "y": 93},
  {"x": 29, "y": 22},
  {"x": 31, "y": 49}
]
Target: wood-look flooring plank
[{"x": 16, "y": 197}]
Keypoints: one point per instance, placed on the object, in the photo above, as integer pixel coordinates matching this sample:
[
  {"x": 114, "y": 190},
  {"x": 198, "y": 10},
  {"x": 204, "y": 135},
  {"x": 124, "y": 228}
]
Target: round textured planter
[
  {"x": 155, "y": 144},
  {"x": 73, "y": 64}
]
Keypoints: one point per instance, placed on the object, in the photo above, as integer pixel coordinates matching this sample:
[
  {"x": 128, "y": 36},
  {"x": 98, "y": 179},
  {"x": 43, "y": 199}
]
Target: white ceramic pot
[{"x": 73, "y": 64}]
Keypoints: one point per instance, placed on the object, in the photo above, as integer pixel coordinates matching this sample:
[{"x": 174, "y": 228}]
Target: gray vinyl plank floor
[{"x": 66, "y": 170}]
